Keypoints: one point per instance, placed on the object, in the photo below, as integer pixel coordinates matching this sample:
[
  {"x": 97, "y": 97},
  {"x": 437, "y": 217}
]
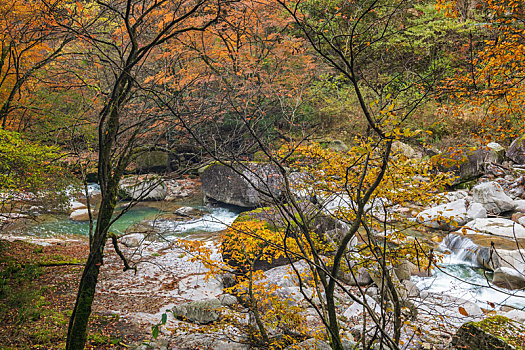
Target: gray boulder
[
  {"x": 80, "y": 215},
  {"x": 202, "y": 311},
  {"x": 445, "y": 216},
  {"x": 495, "y": 332},
  {"x": 132, "y": 240},
  {"x": 495, "y": 226},
  {"x": 143, "y": 187},
  {"x": 476, "y": 211},
  {"x": 465, "y": 163},
  {"x": 224, "y": 184},
  {"x": 516, "y": 150},
  {"x": 310, "y": 344},
  {"x": 152, "y": 162},
  {"x": 209, "y": 341},
  {"x": 509, "y": 278},
  {"x": 496, "y": 152},
  {"x": 493, "y": 198}
]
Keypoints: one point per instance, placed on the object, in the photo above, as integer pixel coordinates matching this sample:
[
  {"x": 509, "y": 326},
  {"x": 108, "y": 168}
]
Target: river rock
[
  {"x": 469, "y": 251},
  {"x": 228, "y": 300},
  {"x": 515, "y": 315},
  {"x": 80, "y": 215},
  {"x": 412, "y": 289},
  {"x": 496, "y": 332},
  {"x": 285, "y": 276},
  {"x": 188, "y": 212},
  {"x": 509, "y": 278},
  {"x": 492, "y": 197},
  {"x": 497, "y": 152},
  {"x": 476, "y": 211},
  {"x": 465, "y": 163},
  {"x": 202, "y": 311},
  {"x": 451, "y": 308},
  {"x": 74, "y": 205},
  {"x": 495, "y": 226},
  {"x": 210, "y": 341},
  {"x": 359, "y": 278},
  {"x": 223, "y": 184},
  {"x": 356, "y": 309},
  {"x": 310, "y": 344},
  {"x": 520, "y": 205},
  {"x": 445, "y": 216},
  {"x": 132, "y": 240},
  {"x": 143, "y": 187},
  {"x": 516, "y": 150},
  {"x": 152, "y": 162},
  {"x": 406, "y": 150}
]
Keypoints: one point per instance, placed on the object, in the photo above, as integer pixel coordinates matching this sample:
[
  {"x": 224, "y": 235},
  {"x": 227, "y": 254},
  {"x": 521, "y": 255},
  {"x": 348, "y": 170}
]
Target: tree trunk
[{"x": 78, "y": 323}]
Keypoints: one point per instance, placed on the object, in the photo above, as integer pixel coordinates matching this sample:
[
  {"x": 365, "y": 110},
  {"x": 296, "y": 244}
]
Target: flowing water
[
  {"x": 151, "y": 215},
  {"x": 459, "y": 276}
]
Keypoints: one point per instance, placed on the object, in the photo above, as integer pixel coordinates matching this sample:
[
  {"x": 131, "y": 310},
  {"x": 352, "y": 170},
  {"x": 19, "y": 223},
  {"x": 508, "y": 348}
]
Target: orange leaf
[{"x": 463, "y": 311}]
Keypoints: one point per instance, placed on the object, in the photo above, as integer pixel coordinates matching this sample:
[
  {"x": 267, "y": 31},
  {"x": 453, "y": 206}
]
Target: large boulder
[
  {"x": 143, "y": 187},
  {"x": 476, "y": 211},
  {"x": 445, "y": 216},
  {"x": 496, "y": 332},
  {"x": 219, "y": 341},
  {"x": 516, "y": 150},
  {"x": 465, "y": 163},
  {"x": 496, "y": 227},
  {"x": 493, "y": 198},
  {"x": 80, "y": 215},
  {"x": 202, "y": 311},
  {"x": 152, "y": 162},
  {"x": 242, "y": 185},
  {"x": 509, "y": 278}
]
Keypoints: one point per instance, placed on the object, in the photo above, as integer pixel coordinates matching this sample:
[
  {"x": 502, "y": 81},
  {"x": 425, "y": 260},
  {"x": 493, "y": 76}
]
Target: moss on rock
[{"x": 496, "y": 332}]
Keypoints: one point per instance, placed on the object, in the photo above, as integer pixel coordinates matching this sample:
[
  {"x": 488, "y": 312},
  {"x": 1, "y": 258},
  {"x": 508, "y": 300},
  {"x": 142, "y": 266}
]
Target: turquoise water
[
  {"x": 62, "y": 225},
  {"x": 153, "y": 218}
]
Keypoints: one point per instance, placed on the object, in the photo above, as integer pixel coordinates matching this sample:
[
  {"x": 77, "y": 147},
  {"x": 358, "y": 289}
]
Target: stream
[{"x": 456, "y": 277}]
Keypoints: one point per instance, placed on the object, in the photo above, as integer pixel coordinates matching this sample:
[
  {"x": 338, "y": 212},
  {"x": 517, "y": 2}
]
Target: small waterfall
[
  {"x": 463, "y": 274},
  {"x": 462, "y": 249}
]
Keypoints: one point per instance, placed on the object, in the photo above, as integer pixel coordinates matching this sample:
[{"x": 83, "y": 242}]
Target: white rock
[
  {"x": 150, "y": 187},
  {"x": 496, "y": 226},
  {"x": 74, "y": 205},
  {"x": 514, "y": 259},
  {"x": 80, "y": 215},
  {"x": 476, "y": 211},
  {"x": 285, "y": 276},
  {"x": 492, "y": 197},
  {"x": 209, "y": 341},
  {"x": 509, "y": 278},
  {"x": 495, "y": 146},
  {"x": 520, "y": 205},
  {"x": 356, "y": 309},
  {"x": 516, "y": 315},
  {"x": 132, "y": 240},
  {"x": 442, "y": 215},
  {"x": 455, "y": 195}
]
